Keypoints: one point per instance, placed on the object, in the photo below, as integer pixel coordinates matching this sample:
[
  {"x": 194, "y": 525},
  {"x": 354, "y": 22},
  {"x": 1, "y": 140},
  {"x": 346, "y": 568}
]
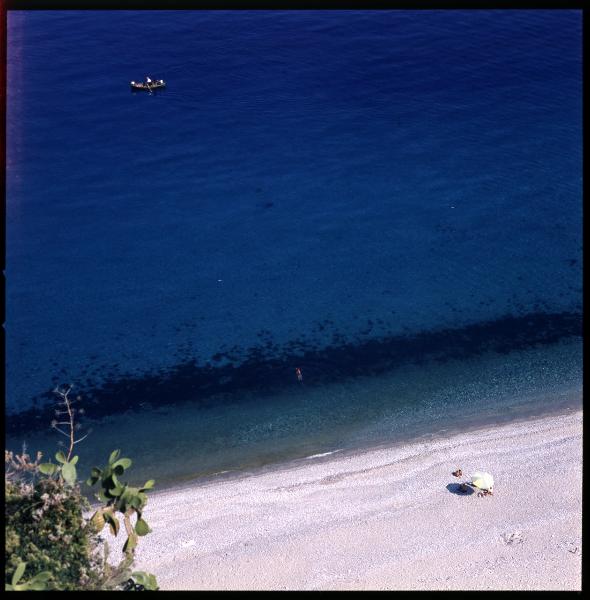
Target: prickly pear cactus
[
  {"x": 120, "y": 497},
  {"x": 66, "y": 470},
  {"x": 37, "y": 583}
]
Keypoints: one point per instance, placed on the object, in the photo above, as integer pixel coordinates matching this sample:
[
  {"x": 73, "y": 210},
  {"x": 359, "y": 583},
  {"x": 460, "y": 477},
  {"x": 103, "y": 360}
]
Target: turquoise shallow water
[{"x": 185, "y": 443}]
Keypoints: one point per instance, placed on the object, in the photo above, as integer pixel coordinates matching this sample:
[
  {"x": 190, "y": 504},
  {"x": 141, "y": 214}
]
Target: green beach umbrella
[{"x": 482, "y": 480}]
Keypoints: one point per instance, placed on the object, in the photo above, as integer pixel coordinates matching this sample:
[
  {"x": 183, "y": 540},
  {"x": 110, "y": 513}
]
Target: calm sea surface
[{"x": 390, "y": 201}]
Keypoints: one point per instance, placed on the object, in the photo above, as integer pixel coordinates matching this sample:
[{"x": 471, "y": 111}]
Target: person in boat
[{"x": 148, "y": 80}]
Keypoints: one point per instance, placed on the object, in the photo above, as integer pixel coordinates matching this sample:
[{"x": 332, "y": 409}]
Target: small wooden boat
[{"x": 155, "y": 84}]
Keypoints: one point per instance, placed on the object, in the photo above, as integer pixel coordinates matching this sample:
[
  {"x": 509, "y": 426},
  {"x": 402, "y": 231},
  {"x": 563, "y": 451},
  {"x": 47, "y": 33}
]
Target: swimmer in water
[{"x": 299, "y": 375}]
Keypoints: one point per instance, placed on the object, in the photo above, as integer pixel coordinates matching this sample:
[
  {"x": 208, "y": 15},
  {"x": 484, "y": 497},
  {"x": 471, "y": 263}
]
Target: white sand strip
[{"x": 384, "y": 519}]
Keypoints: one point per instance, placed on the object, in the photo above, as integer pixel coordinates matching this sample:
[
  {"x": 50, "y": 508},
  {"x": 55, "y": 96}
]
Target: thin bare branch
[
  {"x": 62, "y": 432},
  {"x": 67, "y": 402}
]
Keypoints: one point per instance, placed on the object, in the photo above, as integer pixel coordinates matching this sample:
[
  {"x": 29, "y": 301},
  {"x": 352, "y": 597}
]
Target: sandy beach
[{"x": 384, "y": 519}]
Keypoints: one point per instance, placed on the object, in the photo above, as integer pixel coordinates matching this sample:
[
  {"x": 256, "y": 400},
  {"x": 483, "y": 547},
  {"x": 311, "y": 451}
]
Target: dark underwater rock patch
[{"x": 268, "y": 368}]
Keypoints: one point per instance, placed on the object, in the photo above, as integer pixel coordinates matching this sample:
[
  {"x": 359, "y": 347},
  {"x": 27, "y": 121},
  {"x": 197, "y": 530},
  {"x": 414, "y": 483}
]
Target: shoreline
[
  {"x": 245, "y": 434},
  {"x": 384, "y": 518},
  {"x": 472, "y": 428}
]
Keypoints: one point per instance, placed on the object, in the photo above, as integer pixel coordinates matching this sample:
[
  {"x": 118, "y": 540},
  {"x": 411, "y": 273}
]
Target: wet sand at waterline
[{"x": 388, "y": 518}]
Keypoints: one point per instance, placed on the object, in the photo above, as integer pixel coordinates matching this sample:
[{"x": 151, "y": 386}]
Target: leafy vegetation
[
  {"x": 47, "y": 535},
  {"x": 37, "y": 583},
  {"x": 119, "y": 498},
  {"x": 45, "y": 529}
]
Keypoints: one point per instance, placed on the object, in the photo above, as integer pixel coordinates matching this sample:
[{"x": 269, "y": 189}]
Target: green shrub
[
  {"x": 46, "y": 532},
  {"x": 45, "y": 529}
]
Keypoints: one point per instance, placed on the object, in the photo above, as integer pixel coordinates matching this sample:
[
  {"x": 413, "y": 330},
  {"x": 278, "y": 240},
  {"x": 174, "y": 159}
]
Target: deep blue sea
[{"x": 390, "y": 201}]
